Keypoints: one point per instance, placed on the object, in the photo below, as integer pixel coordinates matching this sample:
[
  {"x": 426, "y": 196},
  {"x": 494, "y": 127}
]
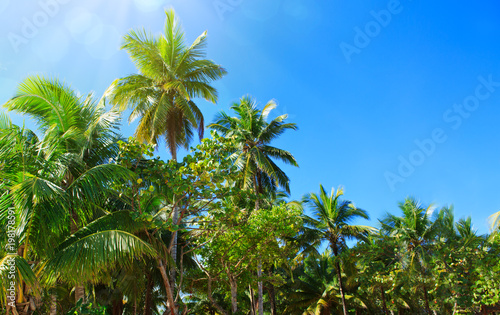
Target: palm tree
[
  {"x": 170, "y": 75},
  {"x": 252, "y": 135},
  {"x": 315, "y": 288},
  {"x": 416, "y": 232},
  {"x": 332, "y": 217},
  {"x": 254, "y": 155},
  {"x": 161, "y": 95},
  {"x": 375, "y": 256},
  {"x": 69, "y": 177}
]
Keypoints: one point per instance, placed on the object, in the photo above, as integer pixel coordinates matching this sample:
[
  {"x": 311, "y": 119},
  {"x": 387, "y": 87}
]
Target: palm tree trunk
[
  {"x": 79, "y": 293},
  {"x": 147, "y": 300},
  {"x": 117, "y": 306},
  {"x": 175, "y": 218},
  {"x": 259, "y": 285},
  {"x": 335, "y": 252},
  {"x": 272, "y": 296},
  {"x": 384, "y": 305},
  {"x": 53, "y": 305},
  {"x": 426, "y": 299},
  {"x": 258, "y": 190},
  {"x": 341, "y": 285}
]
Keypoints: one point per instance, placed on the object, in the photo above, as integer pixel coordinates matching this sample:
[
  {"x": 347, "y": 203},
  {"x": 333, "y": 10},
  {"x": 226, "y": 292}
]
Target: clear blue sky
[{"x": 364, "y": 85}]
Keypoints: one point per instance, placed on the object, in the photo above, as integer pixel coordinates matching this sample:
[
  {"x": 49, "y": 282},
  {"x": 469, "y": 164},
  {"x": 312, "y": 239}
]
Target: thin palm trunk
[
  {"x": 259, "y": 285},
  {"x": 147, "y": 300},
  {"x": 339, "y": 276},
  {"x": 258, "y": 190},
  {"x": 272, "y": 296},
  {"x": 53, "y": 305},
  {"x": 426, "y": 299},
  {"x": 175, "y": 218},
  {"x": 79, "y": 293},
  {"x": 117, "y": 306},
  {"x": 79, "y": 289},
  {"x": 341, "y": 285},
  {"x": 384, "y": 305}
]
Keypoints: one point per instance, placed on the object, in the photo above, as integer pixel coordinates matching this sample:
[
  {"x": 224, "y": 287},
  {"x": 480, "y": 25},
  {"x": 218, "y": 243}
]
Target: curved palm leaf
[{"x": 83, "y": 258}]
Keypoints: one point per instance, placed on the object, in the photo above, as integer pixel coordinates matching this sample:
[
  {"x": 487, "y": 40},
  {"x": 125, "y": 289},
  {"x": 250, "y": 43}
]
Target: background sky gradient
[{"x": 366, "y": 82}]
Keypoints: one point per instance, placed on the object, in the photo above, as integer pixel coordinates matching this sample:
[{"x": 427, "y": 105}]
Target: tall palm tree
[
  {"x": 254, "y": 155},
  {"x": 69, "y": 176},
  {"x": 171, "y": 74},
  {"x": 331, "y": 219}
]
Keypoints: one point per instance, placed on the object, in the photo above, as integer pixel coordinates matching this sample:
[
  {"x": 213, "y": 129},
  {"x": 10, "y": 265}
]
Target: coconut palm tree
[
  {"x": 171, "y": 74},
  {"x": 252, "y": 135},
  {"x": 254, "y": 155},
  {"x": 415, "y": 231},
  {"x": 331, "y": 220},
  {"x": 315, "y": 289},
  {"x": 61, "y": 188}
]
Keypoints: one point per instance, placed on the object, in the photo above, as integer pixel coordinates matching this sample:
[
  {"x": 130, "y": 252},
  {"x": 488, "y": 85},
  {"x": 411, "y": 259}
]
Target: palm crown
[
  {"x": 253, "y": 134},
  {"x": 332, "y": 218},
  {"x": 170, "y": 75}
]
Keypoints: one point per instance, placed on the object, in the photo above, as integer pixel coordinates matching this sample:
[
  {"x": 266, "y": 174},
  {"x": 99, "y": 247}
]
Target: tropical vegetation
[{"x": 93, "y": 223}]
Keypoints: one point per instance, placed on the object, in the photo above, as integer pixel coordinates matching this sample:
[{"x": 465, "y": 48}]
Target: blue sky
[{"x": 392, "y": 98}]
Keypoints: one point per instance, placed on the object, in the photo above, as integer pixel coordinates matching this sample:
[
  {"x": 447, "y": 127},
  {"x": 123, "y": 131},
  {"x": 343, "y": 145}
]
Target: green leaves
[
  {"x": 233, "y": 243},
  {"x": 251, "y": 134},
  {"x": 332, "y": 216},
  {"x": 83, "y": 257},
  {"x": 170, "y": 75}
]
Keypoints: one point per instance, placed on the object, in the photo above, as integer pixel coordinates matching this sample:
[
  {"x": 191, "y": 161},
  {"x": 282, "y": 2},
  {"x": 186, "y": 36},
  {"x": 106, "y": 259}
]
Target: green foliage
[
  {"x": 171, "y": 74},
  {"x": 81, "y": 208},
  {"x": 86, "y": 308},
  {"x": 252, "y": 135}
]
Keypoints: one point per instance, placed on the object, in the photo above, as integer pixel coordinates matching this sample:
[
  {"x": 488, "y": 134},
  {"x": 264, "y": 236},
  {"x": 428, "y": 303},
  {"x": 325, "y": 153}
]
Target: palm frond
[{"x": 83, "y": 257}]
